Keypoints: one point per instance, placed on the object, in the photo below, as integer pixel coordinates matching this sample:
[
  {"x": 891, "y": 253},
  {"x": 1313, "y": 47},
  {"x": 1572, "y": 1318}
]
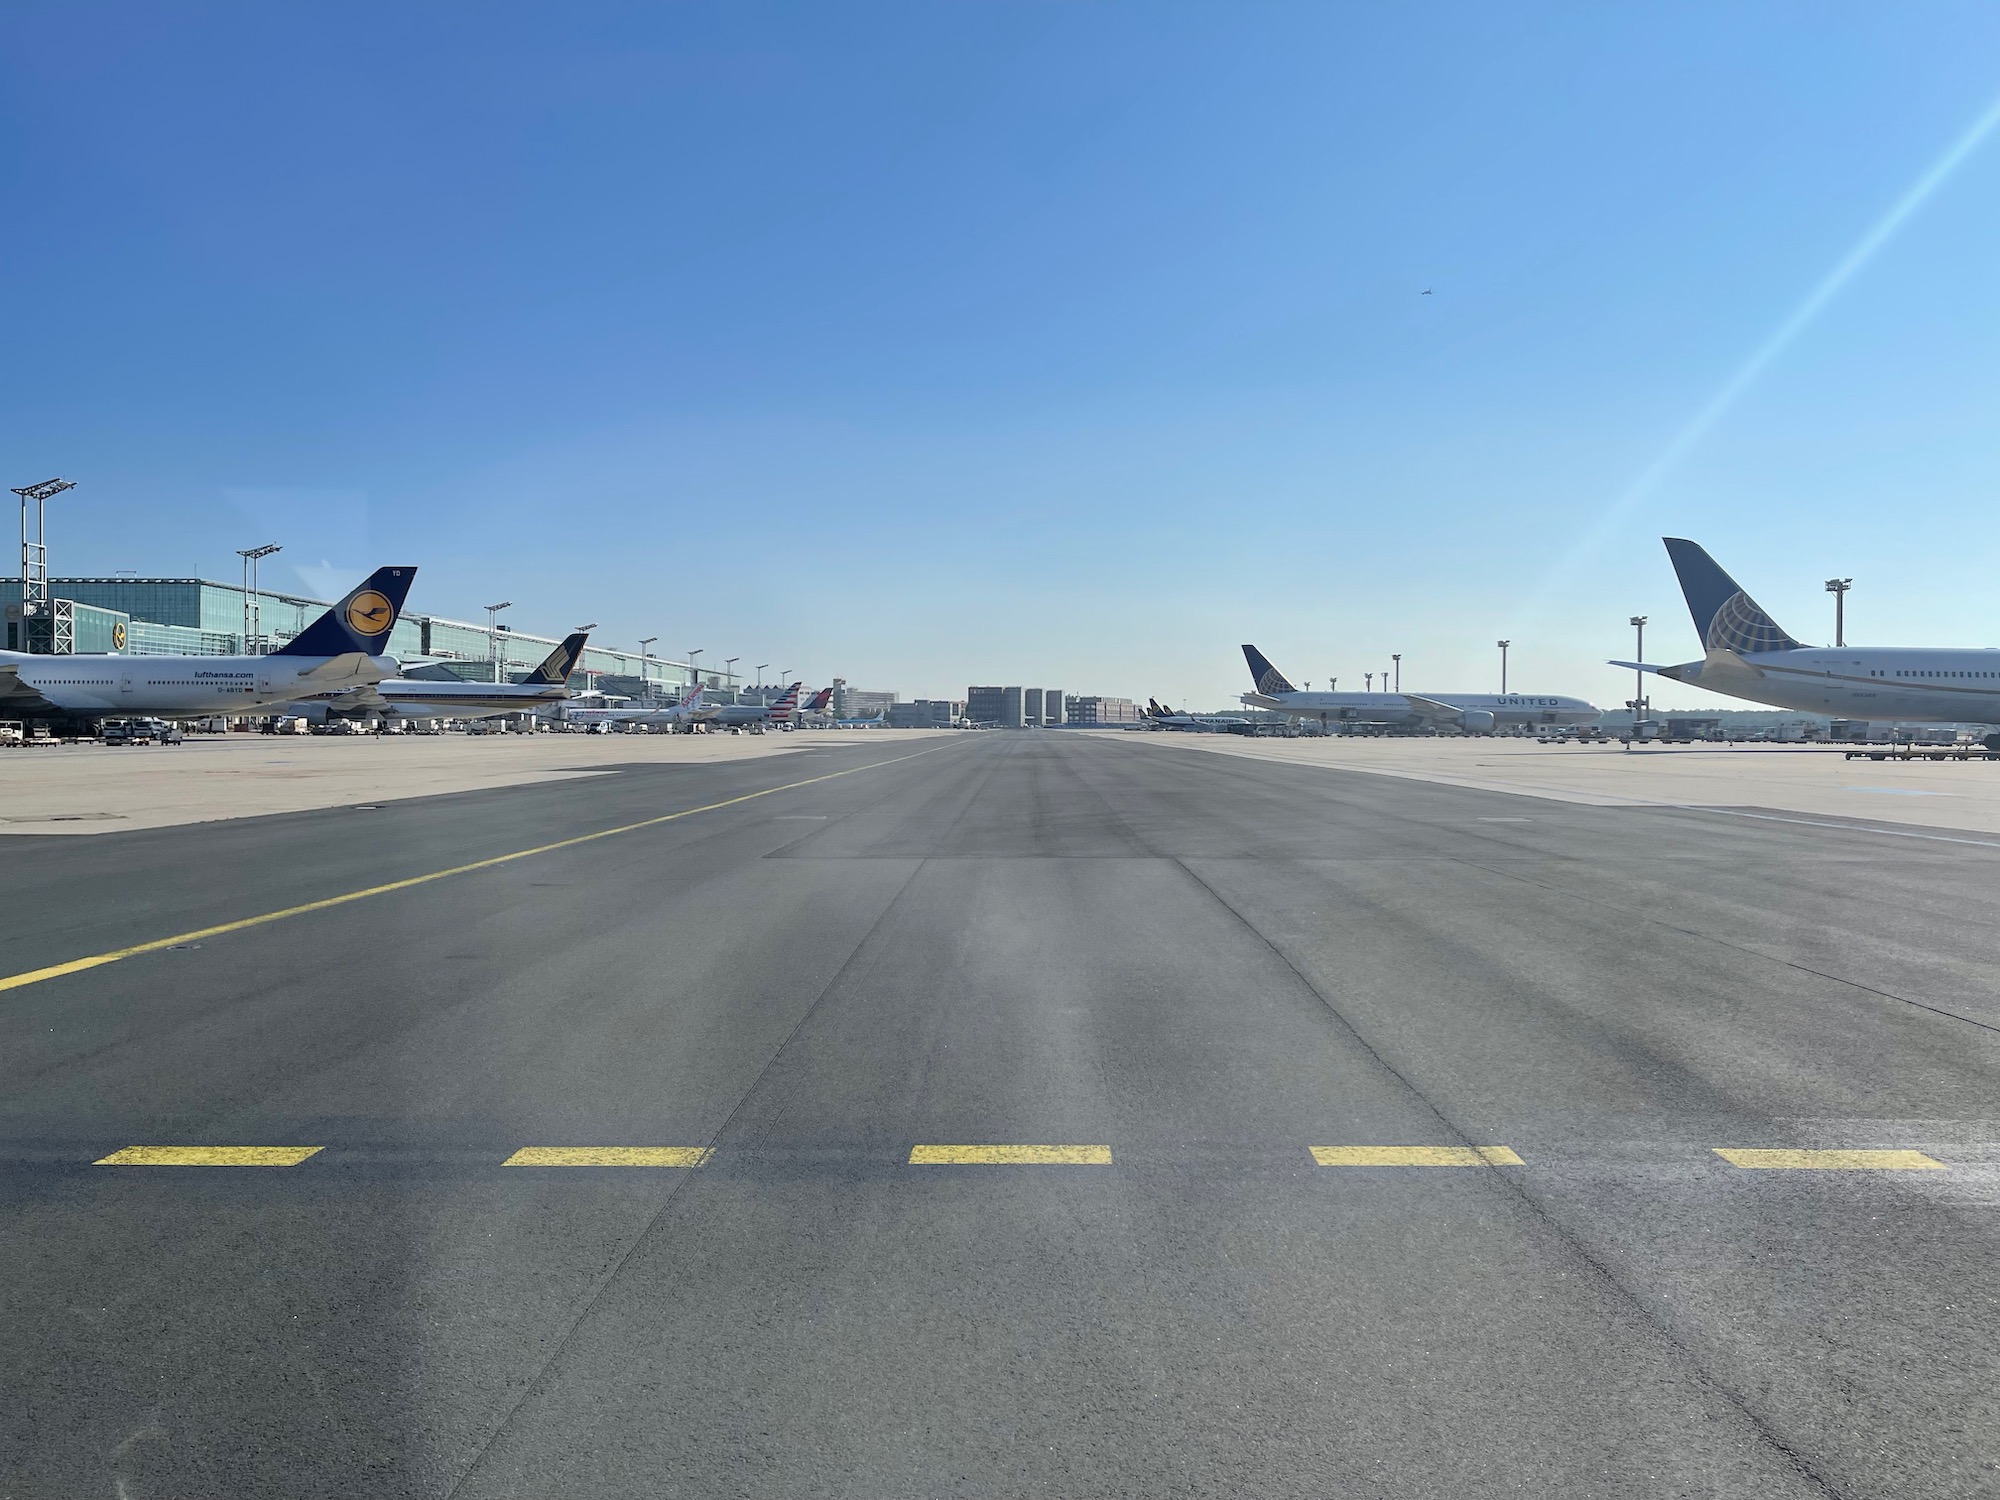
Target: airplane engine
[{"x": 1476, "y": 721}]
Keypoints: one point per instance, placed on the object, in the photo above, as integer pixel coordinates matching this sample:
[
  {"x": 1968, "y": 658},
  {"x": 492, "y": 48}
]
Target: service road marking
[
  {"x": 1010, "y": 1156},
  {"x": 209, "y": 1156},
  {"x": 608, "y": 1156},
  {"x": 1416, "y": 1156},
  {"x": 1835, "y": 1161}
]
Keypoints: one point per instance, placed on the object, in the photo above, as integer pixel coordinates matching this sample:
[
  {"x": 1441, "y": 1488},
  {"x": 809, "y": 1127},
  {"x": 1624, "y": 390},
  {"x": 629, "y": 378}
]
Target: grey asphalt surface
[{"x": 1208, "y": 964}]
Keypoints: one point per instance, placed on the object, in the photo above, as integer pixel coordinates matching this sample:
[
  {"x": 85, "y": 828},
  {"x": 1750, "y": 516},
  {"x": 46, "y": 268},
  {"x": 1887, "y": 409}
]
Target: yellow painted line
[
  {"x": 608, "y": 1156},
  {"x": 1839, "y": 1161},
  {"x": 1416, "y": 1156},
  {"x": 209, "y": 1156},
  {"x": 1010, "y": 1156},
  {"x": 98, "y": 960}
]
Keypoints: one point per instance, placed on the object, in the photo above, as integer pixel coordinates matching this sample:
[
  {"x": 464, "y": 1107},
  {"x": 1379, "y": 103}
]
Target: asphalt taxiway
[{"x": 1007, "y": 1114}]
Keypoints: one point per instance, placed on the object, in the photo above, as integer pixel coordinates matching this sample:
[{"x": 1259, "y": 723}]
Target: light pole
[
  {"x": 694, "y": 666},
  {"x": 645, "y": 677},
  {"x": 38, "y": 621},
  {"x": 728, "y": 665},
  {"x": 760, "y": 672},
  {"x": 493, "y": 634},
  {"x": 1370, "y": 676},
  {"x": 1638, "y": 678},
  {"x": 253, "y": 619},
  {"x": 1838, "y": 587},
  {"x": 1503, "y": 645},
  {"x": 1397, "y": 658}
]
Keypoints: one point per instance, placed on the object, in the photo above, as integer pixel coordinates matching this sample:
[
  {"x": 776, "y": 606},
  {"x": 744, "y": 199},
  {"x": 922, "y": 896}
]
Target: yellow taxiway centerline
[{"x": 98, "y": 960}]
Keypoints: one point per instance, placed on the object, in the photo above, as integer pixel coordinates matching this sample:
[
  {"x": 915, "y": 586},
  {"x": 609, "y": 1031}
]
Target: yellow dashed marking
[
  {"x": 608, "y": 1156},
  {"x": 1840, "y": 1161},
  {"x": 1416, "y": 1156},
  {"x": 1010, "y": 1156},
  {"x": 157, "y": 945},
  {"x": 209, "y": 1156}
]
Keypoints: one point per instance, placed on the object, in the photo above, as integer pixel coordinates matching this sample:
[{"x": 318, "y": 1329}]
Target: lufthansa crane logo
[
  {"x": 117, "y": 635},
  {"x": 369, "y": 613}
]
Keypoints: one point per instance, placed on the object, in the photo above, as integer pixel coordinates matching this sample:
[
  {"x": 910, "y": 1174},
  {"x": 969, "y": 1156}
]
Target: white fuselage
[
  {"x": 185, "y": 687},
  {"x": 1508, "y": 709},
  {"x": 423, "y": 698},
  {"x": 1858, "y": 682}
]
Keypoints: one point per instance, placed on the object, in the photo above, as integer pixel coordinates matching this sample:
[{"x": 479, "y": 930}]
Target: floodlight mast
[
  {"x": 253, "y": 620},
  {"x": 493, "y": 634},
  {"x": 38, "y": 621}
]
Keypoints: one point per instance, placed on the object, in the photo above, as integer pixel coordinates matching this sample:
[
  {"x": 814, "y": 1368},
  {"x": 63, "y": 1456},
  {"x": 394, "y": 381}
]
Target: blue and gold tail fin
[
  {"x": 1724, "y": 616},
  {"x": 1266, "y": 678},
  {"x": 360, "y": 622},
  {"x": 561, "y": 662}
]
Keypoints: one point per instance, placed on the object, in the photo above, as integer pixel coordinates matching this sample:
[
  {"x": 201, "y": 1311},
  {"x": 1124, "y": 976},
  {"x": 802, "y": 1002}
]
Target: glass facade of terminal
[{"x": 199, "y": 617}]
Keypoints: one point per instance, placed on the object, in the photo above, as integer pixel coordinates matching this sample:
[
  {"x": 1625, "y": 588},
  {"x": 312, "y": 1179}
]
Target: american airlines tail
[
  {"x": 360, "y": 622},
  {"x": 1725, "y": 617},
  {"x": 1266, "y": 678}
]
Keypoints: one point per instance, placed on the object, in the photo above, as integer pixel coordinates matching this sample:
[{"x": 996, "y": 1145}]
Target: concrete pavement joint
[{"x": 1515, "y": 1184}]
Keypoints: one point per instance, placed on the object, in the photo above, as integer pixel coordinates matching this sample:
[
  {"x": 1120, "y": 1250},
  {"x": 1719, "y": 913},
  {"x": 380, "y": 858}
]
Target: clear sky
[{"x": 1069, "y": 344}]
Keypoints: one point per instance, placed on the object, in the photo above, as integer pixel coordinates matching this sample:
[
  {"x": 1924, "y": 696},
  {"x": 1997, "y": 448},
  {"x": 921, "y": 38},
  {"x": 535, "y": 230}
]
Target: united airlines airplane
[
  {"x": 341, "y": 649},
  {"x": 1472, "y": 713},
  {"x": 1749, "y": 655}
]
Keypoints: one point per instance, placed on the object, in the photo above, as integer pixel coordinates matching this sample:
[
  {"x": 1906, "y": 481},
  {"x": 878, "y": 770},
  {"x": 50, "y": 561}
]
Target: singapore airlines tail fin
[
  {"x": 1266, "y": 678},
  {"x": 561, "y": 662},
  {"x": 1725, "y": 617},
  {"x": 359, "y": 623}
]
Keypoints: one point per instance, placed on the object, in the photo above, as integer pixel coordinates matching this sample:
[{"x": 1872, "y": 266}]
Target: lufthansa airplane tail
[
  {"x": 1266, "y": 678},
  {"x": 1724, "y": 616},
  {"x": 561, "y": 662},
  {"x": 360, "y": 622}
]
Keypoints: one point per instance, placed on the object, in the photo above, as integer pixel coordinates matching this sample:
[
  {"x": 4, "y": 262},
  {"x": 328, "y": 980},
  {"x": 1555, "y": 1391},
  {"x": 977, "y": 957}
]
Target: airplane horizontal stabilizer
[{"x": 353, "y": 666}]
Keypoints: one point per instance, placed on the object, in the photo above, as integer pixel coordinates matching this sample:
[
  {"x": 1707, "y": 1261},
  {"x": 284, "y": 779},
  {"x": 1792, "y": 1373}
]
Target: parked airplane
[
  {"x": 451, "y": 698},
  {"x": 1473, "y": 713},
  {"x": 341, "y": 649},
  {"x": 1750, "y": 656},
  {"x": 1165, "y": 718},
  {"x": 744, "y": 715}
]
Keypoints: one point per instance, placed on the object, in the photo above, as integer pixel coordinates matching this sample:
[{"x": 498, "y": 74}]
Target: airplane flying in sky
[
  {"x": 342, "y": 649},
  {"x": 1473, "y": 713},
  {"x": 451, "y": 698},
  {"x": 1749, "y": 655}
]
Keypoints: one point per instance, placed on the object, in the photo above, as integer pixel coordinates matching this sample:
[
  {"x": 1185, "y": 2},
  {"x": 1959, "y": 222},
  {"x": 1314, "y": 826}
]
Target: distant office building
[
  {"x": 1093, "y": 713},
  {"x": 1031, "y": 705},
  {"x": 864, "y": 704},
  {"x": 1013, "y": 708},
  {"x": 926, "y": 713},
  {"x": 1052, "y": 706},
  {"x": 983, "y": 705}
]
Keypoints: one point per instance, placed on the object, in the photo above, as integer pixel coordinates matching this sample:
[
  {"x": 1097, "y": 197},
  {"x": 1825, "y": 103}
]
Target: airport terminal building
[{"x": 199, "y": 617}]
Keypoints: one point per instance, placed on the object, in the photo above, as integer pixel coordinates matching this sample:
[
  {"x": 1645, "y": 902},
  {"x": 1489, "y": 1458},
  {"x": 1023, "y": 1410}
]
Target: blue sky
[{"x": 943, "y": 343}]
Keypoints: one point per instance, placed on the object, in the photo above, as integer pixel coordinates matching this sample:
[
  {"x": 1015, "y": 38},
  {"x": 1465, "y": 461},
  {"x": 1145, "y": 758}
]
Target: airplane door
[{"x": 124, "y": 682}]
